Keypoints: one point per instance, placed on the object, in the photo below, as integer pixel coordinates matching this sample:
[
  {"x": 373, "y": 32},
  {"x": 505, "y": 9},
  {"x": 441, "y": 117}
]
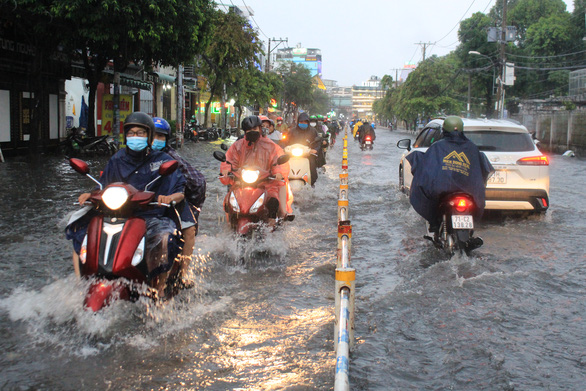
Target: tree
[
  {"x": 524, "y": 13},
  {"x": 235, "y": 46},
  {"x": 481, "y": 70},
  {"x": 428, "y": 90},
  {"x": 320, "y": 102},
  {"x": 121, "y": 32},
  {"x": 253, "y": 87},
  {"x": 298, "y": 87}
]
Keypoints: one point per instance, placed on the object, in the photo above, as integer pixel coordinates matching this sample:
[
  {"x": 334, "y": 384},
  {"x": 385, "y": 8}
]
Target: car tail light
[
  {"x": 461, "y": 204},
  {"x": 534, "y": 161}
]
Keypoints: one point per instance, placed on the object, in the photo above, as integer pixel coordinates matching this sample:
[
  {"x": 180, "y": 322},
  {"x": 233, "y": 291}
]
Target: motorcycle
[
  {"x": 245, "y": 203},
  {"x": 456, "y": 230},
  {"x": 191, "y": 132},
  {"x": 114, "y": 255},
  {"x": 300, "y": 171},
  {"x": 77, "y": 144},
  {"x": 367, "y": 143}
]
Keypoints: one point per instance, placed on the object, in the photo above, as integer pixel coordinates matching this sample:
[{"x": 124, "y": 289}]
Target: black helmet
[
  {"x": 251, "y": 122},
  {"x": 453, "y": 124},
  {"x": 138, "y": 118},
  {"x": 303, "y": 117}
]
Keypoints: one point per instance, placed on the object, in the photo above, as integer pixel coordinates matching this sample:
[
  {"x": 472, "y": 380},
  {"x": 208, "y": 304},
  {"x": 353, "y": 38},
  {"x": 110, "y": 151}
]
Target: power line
[
  {"x": 557, "y": 55},
  {"x": 457, "y": 24},
  {"x": 252, "y": 17},
  {"x": 470, "y": 29}
]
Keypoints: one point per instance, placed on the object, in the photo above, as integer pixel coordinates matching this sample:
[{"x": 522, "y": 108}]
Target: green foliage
[
  {"x": 524, "y": 13},
  {"x": 230, "y": 56},
  {"x": 298, "y": 87},
  {"x": 320, "y": 102},
  {"x": 551, "y": 35}
]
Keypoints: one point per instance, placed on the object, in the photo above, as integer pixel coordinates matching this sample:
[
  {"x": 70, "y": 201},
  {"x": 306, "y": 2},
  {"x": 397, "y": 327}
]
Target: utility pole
[
  {"x": 280, "y": 40},
  {"x": 180, "y": 109},
  {"x": 501, "y": 95},
  {"x": 424, "y": 46},
  {"x": 396, "y": 75}
]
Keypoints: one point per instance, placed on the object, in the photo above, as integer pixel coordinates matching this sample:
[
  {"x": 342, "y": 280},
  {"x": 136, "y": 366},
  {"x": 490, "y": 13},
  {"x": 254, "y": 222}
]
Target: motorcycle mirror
[
  {"x": 224, "y": 147},
  {"x": 404, "y": 144},
  {"x": 221, "y": 156},
  {"x": 79, "y": 166},
  {"x": 168, "y": 168},
  {"x": 282, "y": 159}
]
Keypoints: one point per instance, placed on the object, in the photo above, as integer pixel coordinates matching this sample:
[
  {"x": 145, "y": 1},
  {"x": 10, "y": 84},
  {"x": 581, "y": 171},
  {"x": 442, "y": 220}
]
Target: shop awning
[{"x": 164, "y": 77}]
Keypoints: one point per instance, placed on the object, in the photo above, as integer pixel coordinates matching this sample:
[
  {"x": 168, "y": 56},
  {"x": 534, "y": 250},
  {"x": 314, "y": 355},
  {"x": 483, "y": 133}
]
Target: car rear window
[{"x": 501, "y": 141}]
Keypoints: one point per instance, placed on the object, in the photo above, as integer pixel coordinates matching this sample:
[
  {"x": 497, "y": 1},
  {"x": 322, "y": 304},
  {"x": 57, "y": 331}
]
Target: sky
[{"x": 360, "y": 38}]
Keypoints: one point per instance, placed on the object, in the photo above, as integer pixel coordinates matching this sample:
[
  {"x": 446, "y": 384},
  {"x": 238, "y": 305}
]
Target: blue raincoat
[{"x": 453, "y": 164}]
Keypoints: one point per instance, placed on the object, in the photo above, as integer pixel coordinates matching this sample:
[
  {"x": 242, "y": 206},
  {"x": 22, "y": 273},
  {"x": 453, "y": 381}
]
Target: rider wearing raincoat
[
  {"x": 452, "y": 164},
  {"x": 257, "y": 150}
]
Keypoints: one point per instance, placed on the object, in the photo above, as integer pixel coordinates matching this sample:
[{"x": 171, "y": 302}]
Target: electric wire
[
  {"x": 252, "y": 17},
  {"x": 457, "y": 24}
]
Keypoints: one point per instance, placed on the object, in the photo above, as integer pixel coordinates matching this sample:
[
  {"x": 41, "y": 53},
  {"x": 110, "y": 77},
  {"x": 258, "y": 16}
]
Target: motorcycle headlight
[
  {"x": 115, "y": 197},
  {"x": 83, "y": 251},
  {"x": 257, "y": 204},
  {"x": 234, "y": 202},
  {"x": 138, "y": 254},
  {"x": 297, "y": 152},
  {"x": 250, "y": 176}
]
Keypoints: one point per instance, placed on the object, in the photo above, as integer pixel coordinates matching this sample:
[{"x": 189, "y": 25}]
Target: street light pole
[{"x": 501, "y": 90}]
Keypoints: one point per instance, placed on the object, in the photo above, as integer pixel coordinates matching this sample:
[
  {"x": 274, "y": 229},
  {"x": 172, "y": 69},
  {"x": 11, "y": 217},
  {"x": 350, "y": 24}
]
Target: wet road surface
[{"x": 509, "y": 317}]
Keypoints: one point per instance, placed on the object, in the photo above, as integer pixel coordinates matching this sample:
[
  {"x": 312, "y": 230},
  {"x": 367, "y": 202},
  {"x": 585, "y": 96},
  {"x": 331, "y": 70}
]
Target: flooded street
[{"x": 509, "y": 317}]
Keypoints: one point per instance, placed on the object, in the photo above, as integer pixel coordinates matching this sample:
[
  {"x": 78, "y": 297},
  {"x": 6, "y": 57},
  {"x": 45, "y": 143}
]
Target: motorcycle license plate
[
  {"x": 498, "y": 178},
  {"x": 462, "y": 222},
  {"x": 369, "y": 142}
]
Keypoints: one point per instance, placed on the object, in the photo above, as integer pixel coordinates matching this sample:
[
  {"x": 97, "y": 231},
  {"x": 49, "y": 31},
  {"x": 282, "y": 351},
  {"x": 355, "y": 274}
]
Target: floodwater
[{"x": 509, "y": 317}]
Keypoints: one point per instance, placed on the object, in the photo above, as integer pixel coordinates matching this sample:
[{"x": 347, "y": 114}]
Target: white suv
[{"x": 521, "y": 178}]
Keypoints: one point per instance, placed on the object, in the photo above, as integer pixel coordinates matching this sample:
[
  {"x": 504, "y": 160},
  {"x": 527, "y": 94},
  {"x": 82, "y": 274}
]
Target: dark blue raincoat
[
  {"x": 453, "y": 164},
  {"x": 138, "y": 172}
]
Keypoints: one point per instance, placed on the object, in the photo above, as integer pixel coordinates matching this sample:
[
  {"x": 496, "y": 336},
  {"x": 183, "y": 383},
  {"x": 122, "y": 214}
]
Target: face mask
[
  {"x": 158, "y": 145},
  {"x": 265, "y": 130},
  {"x": 303, "y": 126},
  {"x": 279, "y": 122},
  {"x": 137, "y": 143},
  {"x": 252, "y": 136},
  {"x": 313, "y": 124}
]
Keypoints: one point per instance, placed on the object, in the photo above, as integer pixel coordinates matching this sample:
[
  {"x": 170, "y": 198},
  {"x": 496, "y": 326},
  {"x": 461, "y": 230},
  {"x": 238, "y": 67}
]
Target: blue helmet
[{"x": 162, "y": 126}]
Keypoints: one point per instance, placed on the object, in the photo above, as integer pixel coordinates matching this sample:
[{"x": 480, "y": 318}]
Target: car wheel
[{"x": 401, "y": 179}]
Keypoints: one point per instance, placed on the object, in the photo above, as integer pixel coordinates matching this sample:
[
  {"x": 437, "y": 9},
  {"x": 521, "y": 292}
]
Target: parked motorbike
[
  {"x": 457, "y": 227},
  {"x": 367, "y": 143},
  {"x": 77, "y": 144},
  {"x": 300, "y": 171},
  {"x": 191, "y": 132},
  {"x": 114, "y": 255},
  {"x": 245, "y": 203}
]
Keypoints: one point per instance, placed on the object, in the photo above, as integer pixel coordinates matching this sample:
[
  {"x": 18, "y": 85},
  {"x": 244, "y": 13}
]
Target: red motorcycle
[
  {"x": 113, "y": 253},
  {"x": 246, "y": 202}
]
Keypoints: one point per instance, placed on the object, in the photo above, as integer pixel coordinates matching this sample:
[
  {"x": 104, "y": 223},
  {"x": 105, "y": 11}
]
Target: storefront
[{"x": 32, "y": 97}]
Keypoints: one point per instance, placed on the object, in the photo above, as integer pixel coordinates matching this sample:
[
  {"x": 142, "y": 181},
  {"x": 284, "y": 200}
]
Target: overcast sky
[{"x": 360, "y": 38}]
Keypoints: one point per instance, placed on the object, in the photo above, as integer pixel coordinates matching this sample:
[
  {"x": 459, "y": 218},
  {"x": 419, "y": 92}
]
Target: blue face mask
[
  {"x": 137, "y": 143},
  {"x": 303, "y": 126},
  {"x": 158, "y": 145}
]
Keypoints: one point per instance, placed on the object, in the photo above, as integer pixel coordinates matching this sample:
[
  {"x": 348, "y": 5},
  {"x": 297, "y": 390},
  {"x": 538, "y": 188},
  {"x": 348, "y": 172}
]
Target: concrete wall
[{"x": 558, "y": 131}]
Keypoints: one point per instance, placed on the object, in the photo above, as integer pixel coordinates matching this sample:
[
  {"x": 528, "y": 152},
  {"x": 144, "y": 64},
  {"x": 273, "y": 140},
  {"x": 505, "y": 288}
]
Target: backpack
[{"x": 195, "y": 186}]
